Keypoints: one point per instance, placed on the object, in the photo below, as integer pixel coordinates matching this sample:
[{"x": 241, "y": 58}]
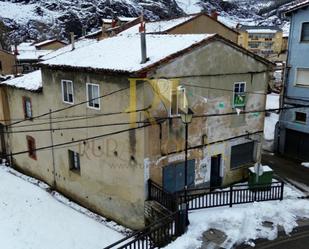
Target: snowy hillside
[{"x": 42, "y": 19}]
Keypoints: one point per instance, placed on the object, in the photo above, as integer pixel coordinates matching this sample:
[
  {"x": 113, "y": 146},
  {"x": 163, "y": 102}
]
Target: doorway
[
  {"x": 215, "y": 176},
  {"x": 174, "y": 176}
]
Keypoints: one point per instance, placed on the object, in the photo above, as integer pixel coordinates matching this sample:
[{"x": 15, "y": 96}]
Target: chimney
[
  {"x": 72, "y": 40},
  {"x": 214, "y": 15},
  {"x": 16, "y": 50},
  {"x": 143, "y": 41},
  {"x": 103, "y": 29},
  {"x": 114, "y": 23}
]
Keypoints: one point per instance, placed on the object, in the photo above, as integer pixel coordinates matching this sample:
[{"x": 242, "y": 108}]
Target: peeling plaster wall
[
  {"x": 204, "y": 73},
  {"x": 111, "y": 178}
]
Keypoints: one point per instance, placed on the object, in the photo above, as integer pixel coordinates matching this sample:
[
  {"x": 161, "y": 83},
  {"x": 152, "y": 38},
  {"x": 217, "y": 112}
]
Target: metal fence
[
  {"x": 157, "y": 235},
  {"x": 239, "y": 194},
  {"x": 165, "y": 230}
]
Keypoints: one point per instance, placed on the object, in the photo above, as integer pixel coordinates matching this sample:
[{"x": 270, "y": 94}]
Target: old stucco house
[
  {"x": 7, "y": 62},
  {"x": 200, "y": 23},
  {"x": 114, "y": 121}
]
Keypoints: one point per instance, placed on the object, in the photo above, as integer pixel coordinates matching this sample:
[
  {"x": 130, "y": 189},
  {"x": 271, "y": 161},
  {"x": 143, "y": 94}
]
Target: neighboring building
[
  {"x": 262, "y": 40},
  {"x": 30, "y": 53},
  {"x": 7, "y": 62},
  {"x": 191, "y": 24},
  {"x": 106, "y": 161},
  {"x": 52, "y": 44},
  {"x": 293, "y": 128},
  {"x": 111, "y": 27}
]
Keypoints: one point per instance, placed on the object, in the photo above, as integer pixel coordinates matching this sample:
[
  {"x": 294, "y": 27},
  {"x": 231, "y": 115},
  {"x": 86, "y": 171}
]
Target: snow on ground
[
  {"x": 244, "y": 223},
  {"x": 32, "y": 218},
  {"x": 272, "y": 102},
  {"x": 305, "y": 164}
]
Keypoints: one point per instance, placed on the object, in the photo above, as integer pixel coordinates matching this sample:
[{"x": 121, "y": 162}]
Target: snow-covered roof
[
  {"x": 31, "y": 81},
  {"x": 28, "y": 51},
  {"x": 122, "y": 53},
  {"x": 42, "y": 43},
  {"x": 297, "y": 7},
  {"x": 159, "y": 26},
  {"x": 31, "y": 55},
  {"x": 264, "y": 31},
  {"x": 78, "y": 44}
]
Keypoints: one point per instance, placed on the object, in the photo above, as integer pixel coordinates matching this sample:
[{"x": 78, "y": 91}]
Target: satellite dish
[{"x": 258, "y": 169}]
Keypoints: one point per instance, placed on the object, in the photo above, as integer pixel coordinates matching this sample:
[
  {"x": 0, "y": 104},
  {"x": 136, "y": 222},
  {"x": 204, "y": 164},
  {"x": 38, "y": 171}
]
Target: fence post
[
  {"x": 282, "y": 188},
  {"x": 231, "y": 195}
]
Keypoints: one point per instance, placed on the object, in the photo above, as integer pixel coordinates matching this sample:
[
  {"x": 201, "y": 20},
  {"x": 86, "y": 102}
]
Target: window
[
  {"x": 27, "y": 106},
  {"x": 31, "y": 147},
  {"x": 242, "y": 154},
  {"x": 300, "y": 117},
  {"x": 305, "y": 32},
  {"x": 67, "y": 91},
  {"x": 93, "y": 94},
  {"x": 239, "y": 94},
  {"x": 74, "y": 160},
  {"x": 302, "y": 76},
  {"x": 178, "y": 100}
]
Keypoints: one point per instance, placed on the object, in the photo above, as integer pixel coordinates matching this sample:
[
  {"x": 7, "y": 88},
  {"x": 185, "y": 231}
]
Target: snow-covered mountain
[{"x": 41, "y": 19}]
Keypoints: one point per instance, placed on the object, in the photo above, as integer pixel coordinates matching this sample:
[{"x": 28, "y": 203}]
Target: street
[{"x": 299, "y": 239}]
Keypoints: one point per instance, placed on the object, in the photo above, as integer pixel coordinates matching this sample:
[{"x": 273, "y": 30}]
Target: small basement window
[
  {"x": 67, "y": 91},
  {"x": 305, "y": 32},
  {"x": 31, "y": 147},
  {"x": 239, "y": 94},
  {"x": 27, "y": 106},
  {"x": 300, "y": 117},
  {"x": 93, "y": 94},
  {"x": 74, "y": 160}
]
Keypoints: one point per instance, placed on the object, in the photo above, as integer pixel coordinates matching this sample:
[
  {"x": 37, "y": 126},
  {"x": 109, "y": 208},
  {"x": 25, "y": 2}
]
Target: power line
[
  {"x": 162, "y": 119},
  {"x": 71, "y": 106},
  {"x": 76, "y": 141},
  {"x": 76, "y": 128},
  {"x": 83, "y": 117}
]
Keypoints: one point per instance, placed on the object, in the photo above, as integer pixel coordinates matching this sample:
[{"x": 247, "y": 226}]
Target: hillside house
[
  {"x": 293, "y": 128},
  {"x": 30, "y": 53},
  {"x": 7, "y": 62},
  {"x": 200, "y": 23},
  {"x": 119, "y": 122},
  {"x": 266, "y": 41}
]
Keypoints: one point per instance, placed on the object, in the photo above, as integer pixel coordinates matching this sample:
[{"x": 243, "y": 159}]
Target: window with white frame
[
  {"x": 239, "y": 94},
  {"x": 67, "y": 91},
  {"x": 178, "y": 100},
  {"x": 305, "y": 32},
  {"x": 93, "y": 94},
  {"x": 302, "y": 76}
]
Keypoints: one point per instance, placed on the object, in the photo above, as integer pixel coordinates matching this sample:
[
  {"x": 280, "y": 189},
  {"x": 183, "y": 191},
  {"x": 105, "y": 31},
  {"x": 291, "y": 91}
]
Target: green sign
[{"x": 239, "y": 100}]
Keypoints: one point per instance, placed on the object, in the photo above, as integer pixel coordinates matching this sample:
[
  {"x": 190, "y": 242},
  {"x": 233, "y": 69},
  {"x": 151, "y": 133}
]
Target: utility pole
[{"x": 52, "y": 147}]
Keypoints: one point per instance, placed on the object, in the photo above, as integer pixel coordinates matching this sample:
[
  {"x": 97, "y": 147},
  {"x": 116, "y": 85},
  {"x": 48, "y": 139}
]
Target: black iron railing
[
  {"x": 166, "y": 199},
  {"x": 239, "y": 194},
  {"x": 157, "y": 235},
  {"x": 165, "y": 230}
]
